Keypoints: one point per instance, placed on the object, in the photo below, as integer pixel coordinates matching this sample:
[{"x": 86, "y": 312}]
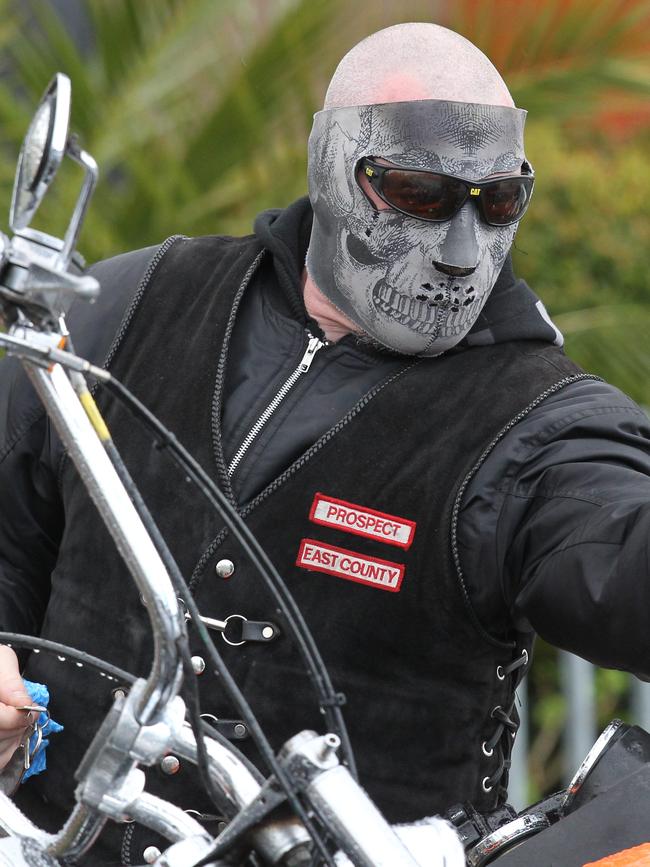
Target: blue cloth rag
[{"x": 41, "y": 696}]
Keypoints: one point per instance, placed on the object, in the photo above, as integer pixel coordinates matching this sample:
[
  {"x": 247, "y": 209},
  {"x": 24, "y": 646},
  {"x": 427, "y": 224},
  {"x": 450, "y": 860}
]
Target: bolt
[
  {"x": 329, "y": 744},
  {"x": 170, "y": 765},
  {"x": 198, "y": 664},
  {"x": 225, "y": 568}
]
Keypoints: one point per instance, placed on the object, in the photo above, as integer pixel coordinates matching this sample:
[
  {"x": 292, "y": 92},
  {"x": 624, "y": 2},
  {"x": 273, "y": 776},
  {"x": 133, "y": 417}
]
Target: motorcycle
[{"x": 310, "y": 810}]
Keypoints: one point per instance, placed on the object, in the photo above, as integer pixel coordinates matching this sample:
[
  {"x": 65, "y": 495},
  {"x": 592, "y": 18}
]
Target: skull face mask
[{"x": 415, "y": 286}]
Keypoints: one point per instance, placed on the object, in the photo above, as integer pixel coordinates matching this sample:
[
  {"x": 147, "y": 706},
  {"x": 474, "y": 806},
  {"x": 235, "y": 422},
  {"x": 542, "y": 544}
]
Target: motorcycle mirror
[{"x": 42, "y": 151}]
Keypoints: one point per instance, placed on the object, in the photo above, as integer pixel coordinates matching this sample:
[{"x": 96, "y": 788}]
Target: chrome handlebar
[{"x": 125, "y": 526}]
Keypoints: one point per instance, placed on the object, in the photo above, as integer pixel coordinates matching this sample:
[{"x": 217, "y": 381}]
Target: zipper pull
[{"x": 313, "y": 346}]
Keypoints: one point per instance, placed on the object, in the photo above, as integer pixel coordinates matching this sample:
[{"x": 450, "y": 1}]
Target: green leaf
[{"x": 613, "y": 342}]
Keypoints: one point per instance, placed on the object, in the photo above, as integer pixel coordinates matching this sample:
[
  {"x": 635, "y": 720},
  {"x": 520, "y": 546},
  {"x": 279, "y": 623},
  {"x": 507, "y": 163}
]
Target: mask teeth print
[
  {"x": 456, "y": 298},
  {"x": 420, "y": 313},
  {"x": 414, "y": 314}
]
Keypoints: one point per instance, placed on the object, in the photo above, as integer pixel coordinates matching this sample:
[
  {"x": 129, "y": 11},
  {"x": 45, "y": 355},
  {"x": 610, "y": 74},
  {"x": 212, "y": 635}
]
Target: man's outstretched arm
[{"x": 557, "y": 525}]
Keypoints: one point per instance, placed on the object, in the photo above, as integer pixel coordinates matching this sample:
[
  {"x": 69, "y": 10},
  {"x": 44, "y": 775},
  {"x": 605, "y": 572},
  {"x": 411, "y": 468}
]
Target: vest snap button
[
  {"x": 150, "y": 854},
  {"x": 225, "y": 568},
  {"x": 268, "y": 632},
  {"x": 198, "y": 664},
  {"x": 170, "y": 765},
  {"x": 240, "y": 730}
]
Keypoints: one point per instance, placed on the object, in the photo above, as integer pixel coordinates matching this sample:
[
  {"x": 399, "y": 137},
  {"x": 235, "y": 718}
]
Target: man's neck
[{"x": 334, "y": 324}]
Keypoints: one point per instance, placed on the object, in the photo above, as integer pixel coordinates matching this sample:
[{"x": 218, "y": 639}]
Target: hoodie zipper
[{"x": 313, "y": 345}]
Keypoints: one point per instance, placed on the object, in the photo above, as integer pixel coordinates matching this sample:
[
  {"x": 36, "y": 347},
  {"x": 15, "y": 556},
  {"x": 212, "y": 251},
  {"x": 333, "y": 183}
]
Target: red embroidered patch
[
  {"x": 362, "y": 521},
  {"x": 319, "y": 557}
]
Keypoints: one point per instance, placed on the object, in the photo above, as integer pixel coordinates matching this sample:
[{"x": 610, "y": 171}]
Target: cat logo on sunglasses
[
  {"x": 475, "y": 191},
  {"x": 369, "y": 172}
]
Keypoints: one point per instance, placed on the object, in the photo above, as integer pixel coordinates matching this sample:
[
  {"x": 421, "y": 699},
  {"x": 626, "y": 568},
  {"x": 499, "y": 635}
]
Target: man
[{"x": 395, "y": 421}]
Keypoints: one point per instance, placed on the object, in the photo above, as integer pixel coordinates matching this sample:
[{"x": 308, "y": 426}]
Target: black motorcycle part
[
  {"x": 613, "y": 822},
  {"x": 626, "y": 753}
]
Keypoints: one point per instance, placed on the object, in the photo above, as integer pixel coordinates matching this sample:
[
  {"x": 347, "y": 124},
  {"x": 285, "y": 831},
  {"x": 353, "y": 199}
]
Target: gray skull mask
[{"x": 377, "y": 265}]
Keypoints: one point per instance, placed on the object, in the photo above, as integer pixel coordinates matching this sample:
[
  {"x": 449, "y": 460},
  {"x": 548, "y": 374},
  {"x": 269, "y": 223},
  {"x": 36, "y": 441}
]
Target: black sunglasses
[{"x": 437, "y": 197}]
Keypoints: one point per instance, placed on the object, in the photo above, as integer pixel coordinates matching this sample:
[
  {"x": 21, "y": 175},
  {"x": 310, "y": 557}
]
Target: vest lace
[{"x": 507, "y": 726}]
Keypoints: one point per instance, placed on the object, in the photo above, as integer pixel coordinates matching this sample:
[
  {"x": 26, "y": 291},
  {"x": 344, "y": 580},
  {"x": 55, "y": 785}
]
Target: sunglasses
[{"x": 437, "y": 197}]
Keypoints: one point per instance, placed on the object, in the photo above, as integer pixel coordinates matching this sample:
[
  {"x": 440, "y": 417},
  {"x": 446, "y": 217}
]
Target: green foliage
[
  {"x": 583, "y": 247},
  {"x": 583, "y": 242},
  {"x": 197, "y": 112},
  {"x": 177, "y": 105}
]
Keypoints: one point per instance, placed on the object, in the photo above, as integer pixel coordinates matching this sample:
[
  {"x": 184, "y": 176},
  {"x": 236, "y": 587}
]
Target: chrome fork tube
[
  {"x": 140, "y": 555},
  {"x": 125, "y": 526},
  {"x": 273, "y": 838}
]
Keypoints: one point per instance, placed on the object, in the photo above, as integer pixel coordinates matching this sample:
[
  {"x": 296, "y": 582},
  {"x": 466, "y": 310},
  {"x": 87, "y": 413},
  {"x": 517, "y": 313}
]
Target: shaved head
[
  {"x": 412, "y": 113},
  {"x": 415, "y": 61}
]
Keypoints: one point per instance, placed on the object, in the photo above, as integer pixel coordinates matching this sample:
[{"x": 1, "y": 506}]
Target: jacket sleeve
[
  {"x": 31, "y": 518},
  {"x": 31, "y": 511},
  {"x": 558, "y": 520}
]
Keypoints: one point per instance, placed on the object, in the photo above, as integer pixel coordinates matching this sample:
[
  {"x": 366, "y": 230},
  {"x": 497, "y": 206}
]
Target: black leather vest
[{"x": 361, "y": 527}]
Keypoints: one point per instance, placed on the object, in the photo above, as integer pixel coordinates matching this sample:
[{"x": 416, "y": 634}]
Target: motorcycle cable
[
  {"x": 330, "y": 702},
  {"x": 62, "y": 651},
  {"x": 231, "y": 688},
  {"x": 233, "y": 691},
  {"x": 79, "y": 366},
  {"x": 182, "y": 644},
  {"x": 65, "y": 653}
]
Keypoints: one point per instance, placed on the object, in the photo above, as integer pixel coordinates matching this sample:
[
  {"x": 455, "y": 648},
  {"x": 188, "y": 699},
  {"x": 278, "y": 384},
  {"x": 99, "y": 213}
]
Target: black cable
[
  {"x": 231, "y": 687},
  {"x": 328, "y": 700},
  {"x": 32, "y": 642},
  {"x": 119, "y": 675},
  {"x": 193, "y": 707},
  {"x": 256, "y": 732},
  {"x": 194, "y": 713}
]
